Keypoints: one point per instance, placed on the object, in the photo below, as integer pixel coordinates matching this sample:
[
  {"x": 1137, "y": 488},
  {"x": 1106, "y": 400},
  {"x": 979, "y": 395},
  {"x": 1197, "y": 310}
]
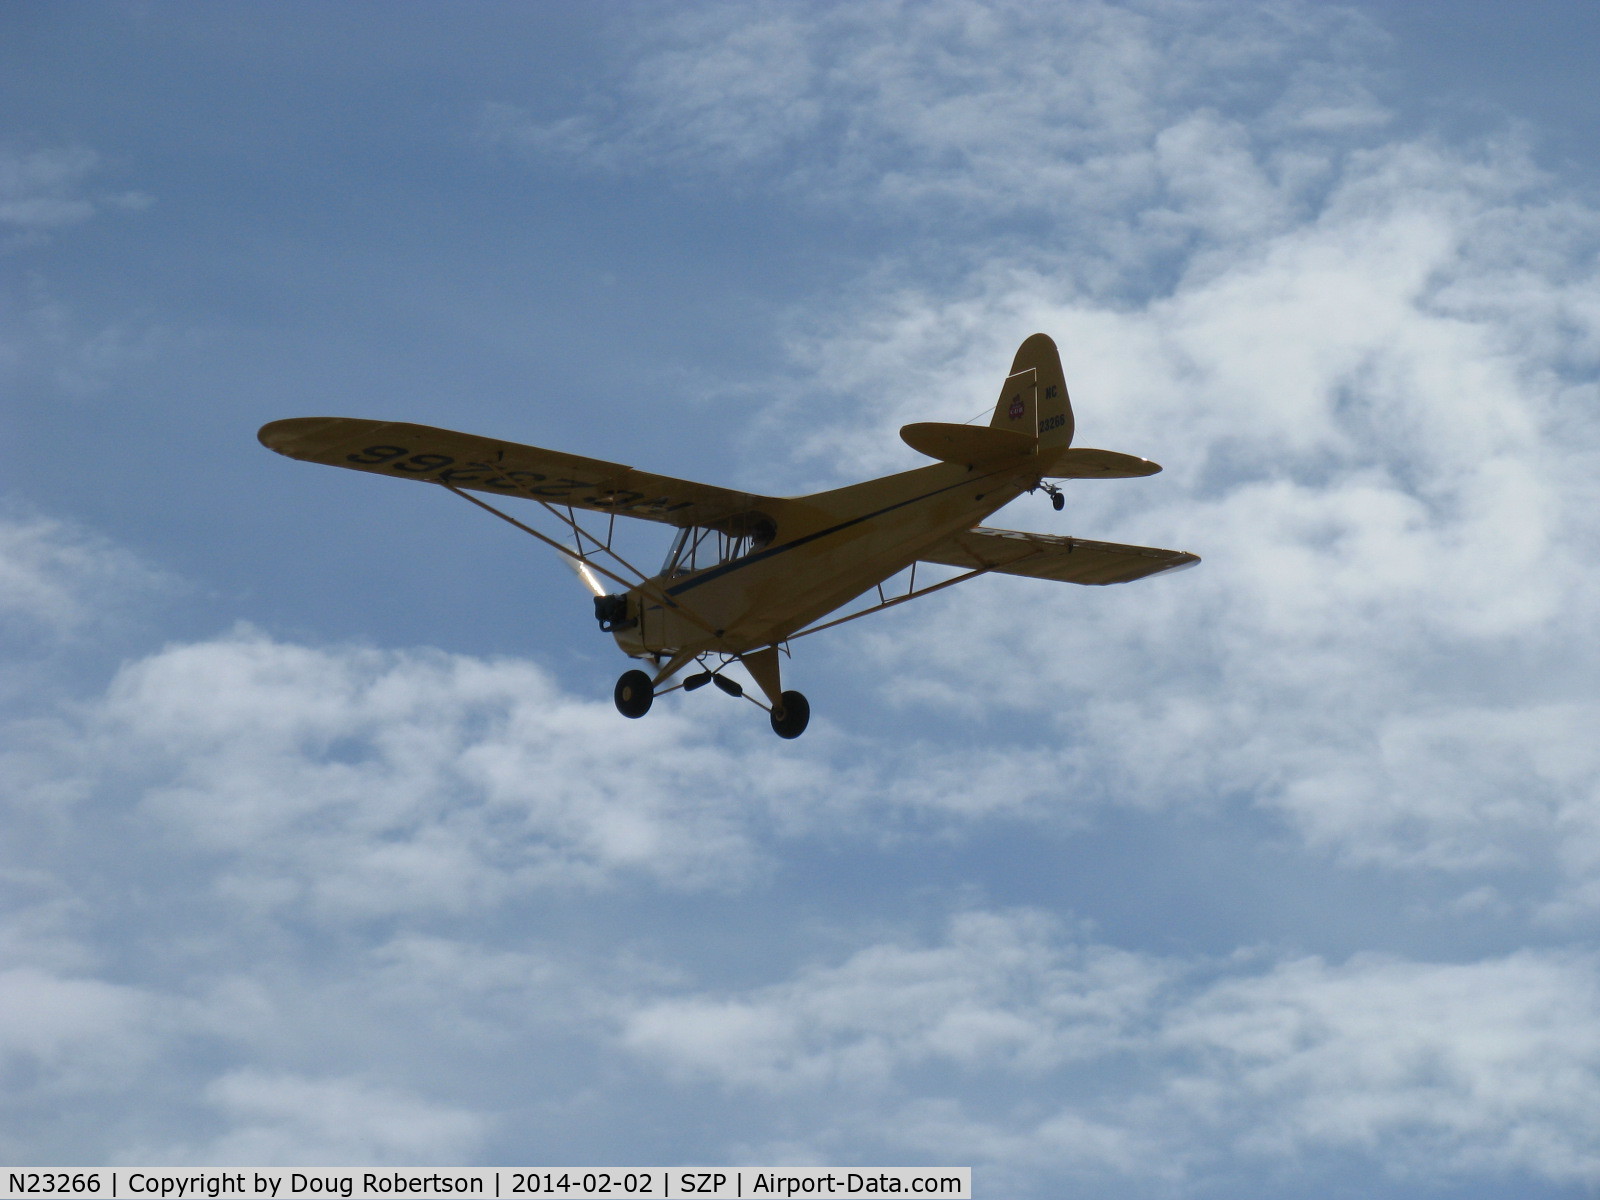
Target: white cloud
[
  {"x": 55, "y": 577},
  {"x": 43, "y": 338},
  {"x": 76, "y": 1030},
  {"x": 49, "y": 189},
  {"x": 291, "y": 1121},
  {"x": 1483, "y": 1065},
  {"x": 1369, "y": 368},
  {"x": 1367, "y": 360},
  {"x": 1176, "y": 1068},
  {"x": 43, "y": 189},
  {"x": 1005, "y": 106},
  {"x": 1393, "y": 507},
  {"x": 283, "y": 788},
  {"x": 358, "y": 781},
  {"x": 367, "y": 781},
  {"x": 67, "y": 1040},
  {"x": 997, "y": 995}
]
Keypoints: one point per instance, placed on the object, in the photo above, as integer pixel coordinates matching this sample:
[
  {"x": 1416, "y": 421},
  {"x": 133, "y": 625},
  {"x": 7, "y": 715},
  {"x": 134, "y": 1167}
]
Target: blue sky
[{"x": 322, "y": 841}]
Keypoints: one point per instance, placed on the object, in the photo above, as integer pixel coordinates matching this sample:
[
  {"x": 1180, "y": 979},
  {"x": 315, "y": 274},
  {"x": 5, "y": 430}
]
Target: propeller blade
[{"x": 587, "y": 577}]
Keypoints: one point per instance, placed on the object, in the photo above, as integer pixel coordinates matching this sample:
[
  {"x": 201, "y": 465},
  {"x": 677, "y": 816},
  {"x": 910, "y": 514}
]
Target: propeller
[{"x": 584, "y": 574}]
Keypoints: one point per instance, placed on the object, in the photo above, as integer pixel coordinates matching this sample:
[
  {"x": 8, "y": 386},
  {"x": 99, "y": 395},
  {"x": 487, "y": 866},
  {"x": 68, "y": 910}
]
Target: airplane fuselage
[{"x": 828, "y": 549}]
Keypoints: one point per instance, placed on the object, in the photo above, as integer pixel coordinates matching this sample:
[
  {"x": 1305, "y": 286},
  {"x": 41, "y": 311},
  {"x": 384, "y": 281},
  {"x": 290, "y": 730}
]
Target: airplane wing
[
  {"x": 1044, "y": 556},
  {"x": 483, "y": 464}
]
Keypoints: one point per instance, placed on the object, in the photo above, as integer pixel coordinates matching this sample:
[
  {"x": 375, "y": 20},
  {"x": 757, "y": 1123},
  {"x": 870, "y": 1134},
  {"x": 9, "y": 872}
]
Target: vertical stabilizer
[
  {"x": 1017, "y": 410},
  {"x": 1036, "y": 381}
]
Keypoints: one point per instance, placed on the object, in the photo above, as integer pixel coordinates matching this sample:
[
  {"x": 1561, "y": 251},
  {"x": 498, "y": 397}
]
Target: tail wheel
[
  {"x": 634, "y": 693},
  {"x": 791, "y": 716}
]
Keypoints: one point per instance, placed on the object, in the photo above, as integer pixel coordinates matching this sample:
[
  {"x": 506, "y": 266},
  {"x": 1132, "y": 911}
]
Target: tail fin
[{"x": 1034, "y": 399}]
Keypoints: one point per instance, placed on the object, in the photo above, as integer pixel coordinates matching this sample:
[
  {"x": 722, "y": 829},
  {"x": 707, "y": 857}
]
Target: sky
[{"x": 321, "y": 841}]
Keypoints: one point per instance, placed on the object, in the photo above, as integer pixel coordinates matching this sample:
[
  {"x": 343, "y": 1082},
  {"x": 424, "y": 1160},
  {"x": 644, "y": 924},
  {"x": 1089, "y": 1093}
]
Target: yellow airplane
[{"x": 748, "y": 574}]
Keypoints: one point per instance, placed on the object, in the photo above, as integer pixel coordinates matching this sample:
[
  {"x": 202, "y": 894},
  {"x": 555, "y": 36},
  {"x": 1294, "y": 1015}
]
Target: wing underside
[
  {"x": 481, "y": 464},
  {"x": 1044, "y": 556}
]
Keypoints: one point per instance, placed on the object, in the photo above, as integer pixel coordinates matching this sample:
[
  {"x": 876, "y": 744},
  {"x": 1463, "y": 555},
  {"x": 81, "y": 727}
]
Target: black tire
[
  {"x": 634, "y": 694},
  {"x": 793, "y": 714}
]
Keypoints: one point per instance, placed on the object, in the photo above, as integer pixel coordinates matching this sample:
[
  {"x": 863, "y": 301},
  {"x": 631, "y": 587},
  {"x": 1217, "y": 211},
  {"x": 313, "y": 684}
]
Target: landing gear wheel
[
  {"x": 1057, "y": 501},
  {"x": 790, "y": 717},
  {"x": 635, "y": 692}
]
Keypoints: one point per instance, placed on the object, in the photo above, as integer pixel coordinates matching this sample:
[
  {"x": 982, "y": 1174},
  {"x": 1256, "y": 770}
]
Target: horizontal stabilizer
[
  {"x": 970, "y": 445},
  {"x": 1045, "y": 556},
  {"x": 1084, "y": 463}
]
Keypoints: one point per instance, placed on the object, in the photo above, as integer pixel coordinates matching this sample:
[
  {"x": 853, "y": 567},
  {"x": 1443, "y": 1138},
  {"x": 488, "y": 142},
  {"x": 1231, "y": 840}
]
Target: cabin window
[{"x": 697, "y": 547}]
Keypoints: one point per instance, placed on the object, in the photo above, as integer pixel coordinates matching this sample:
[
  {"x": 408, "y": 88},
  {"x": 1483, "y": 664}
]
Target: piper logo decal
[{"x": 1016, "y": 409}]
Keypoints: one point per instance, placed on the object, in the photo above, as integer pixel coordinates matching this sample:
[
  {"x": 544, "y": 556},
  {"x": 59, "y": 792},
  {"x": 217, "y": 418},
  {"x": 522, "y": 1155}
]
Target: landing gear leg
[
  {"x": 634, "y": 694},
  {"x": 790, "y": 711}
]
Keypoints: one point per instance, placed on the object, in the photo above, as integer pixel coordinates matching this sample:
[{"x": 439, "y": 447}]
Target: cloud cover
[
  {"x": 1370, "y": 358},
  {"x": 343, "y": 887}
]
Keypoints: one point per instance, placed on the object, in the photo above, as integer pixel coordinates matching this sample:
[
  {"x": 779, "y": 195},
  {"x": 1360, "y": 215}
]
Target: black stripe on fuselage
[{"x": 762, "y": 555}]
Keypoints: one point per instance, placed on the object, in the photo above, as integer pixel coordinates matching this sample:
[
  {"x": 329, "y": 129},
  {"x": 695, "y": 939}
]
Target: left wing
[
  {"x": 482, "y": 464},
  {"x": 1044, "y": 556}
]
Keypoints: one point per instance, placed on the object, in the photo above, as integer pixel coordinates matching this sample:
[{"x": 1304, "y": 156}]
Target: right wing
[
  {"x": 483, "y": 464},
  {"x": 1045, "y": 556}
]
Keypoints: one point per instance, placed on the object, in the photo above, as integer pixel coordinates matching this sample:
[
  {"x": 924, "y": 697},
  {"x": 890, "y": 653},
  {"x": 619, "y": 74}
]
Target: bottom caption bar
[{"x": 491, "y": 1183}]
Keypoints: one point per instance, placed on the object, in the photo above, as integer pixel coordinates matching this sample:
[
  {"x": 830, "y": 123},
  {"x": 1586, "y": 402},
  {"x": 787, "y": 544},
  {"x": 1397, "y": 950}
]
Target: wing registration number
[{"x": 442, "y": 468}]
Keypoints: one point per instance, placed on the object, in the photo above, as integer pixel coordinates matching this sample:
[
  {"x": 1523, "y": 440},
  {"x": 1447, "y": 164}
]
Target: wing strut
[
  {"x": 579, "y": 533},
  {"x": 644, "y": 584},
  {"x": 912, "y": 595}
]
